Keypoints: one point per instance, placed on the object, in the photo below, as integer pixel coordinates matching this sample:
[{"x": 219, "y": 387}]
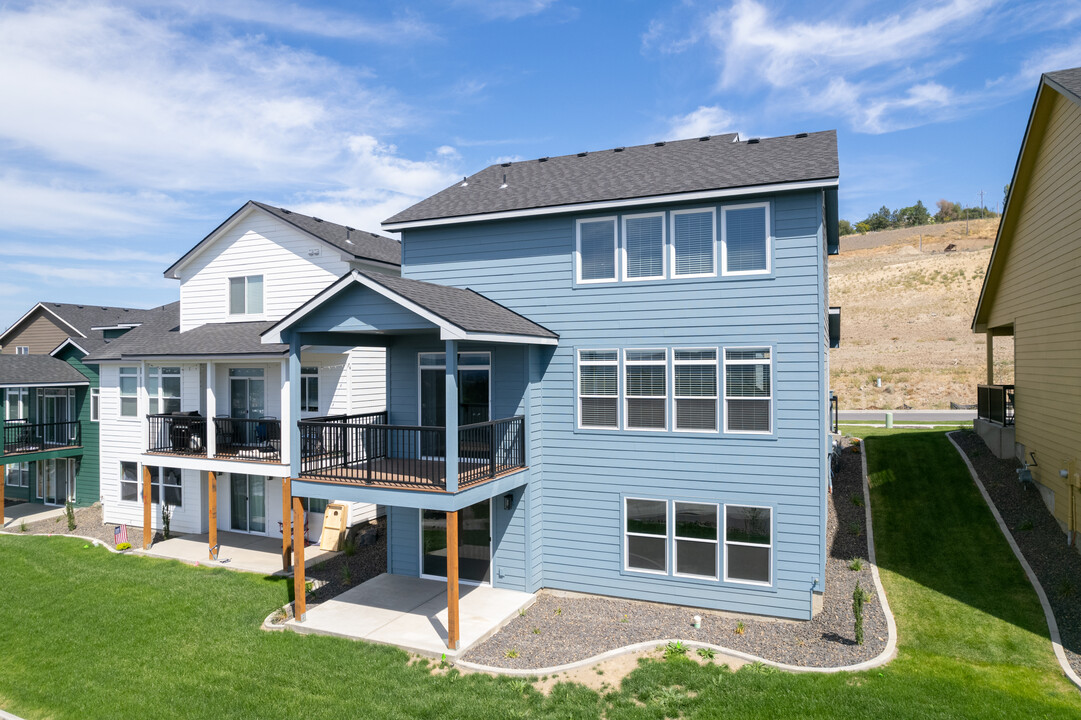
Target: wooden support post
[
  {"x": 300, "y": 607},
  {"x": 287, "y": 525},
  {"x": 212, "y": 513},
  {"x": 990, "y": 358},
  {"x": 148, "y": 532},
  {"x": 452, "y": 580}
]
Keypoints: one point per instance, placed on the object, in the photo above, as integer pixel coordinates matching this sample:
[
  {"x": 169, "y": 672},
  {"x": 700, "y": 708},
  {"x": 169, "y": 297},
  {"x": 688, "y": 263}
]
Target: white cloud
[
  {"x": 506, "y": 9},
  {"x": 95, "y": 252},
  {"x": 64, "y": 275},
  {"x": 706, "y": 120}
]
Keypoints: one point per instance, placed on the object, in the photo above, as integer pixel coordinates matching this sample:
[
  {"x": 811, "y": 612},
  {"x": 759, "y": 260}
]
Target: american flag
[{"x": 120, "y": 535}]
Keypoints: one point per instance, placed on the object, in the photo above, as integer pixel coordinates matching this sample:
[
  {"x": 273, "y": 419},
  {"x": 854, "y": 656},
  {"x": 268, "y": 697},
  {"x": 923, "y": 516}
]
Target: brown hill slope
[{"x": 906, "y": 317}]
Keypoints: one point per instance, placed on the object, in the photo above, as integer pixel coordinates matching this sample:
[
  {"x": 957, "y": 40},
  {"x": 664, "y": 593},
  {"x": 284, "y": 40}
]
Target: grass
[{"x": 88, "y": 634}]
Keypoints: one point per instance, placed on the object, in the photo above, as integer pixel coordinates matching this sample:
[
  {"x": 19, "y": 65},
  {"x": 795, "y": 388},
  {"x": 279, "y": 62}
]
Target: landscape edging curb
[
  {"x": 888, "y": 654},
  {"x": 1052, "y": 624}
]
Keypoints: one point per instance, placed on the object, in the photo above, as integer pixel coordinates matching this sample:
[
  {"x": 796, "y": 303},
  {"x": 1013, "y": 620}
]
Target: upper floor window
[
  {"x": 745, "y": 239},
  {"x": 129, "y": 391},
  {"x": 643, "y": 247},
  {"x": 163, "y": 389},
  {"x": 95, "y": 404},
  {"x": 17, "y": 404},
  {"x": 693, "y": 240},
  {"x": 309, "y": 389},
  {"x": 646, "y": 388},
  {"x": 748, "y": 390},
  {"x": 598, "y": 388},
  {"x": 695, "y": 389},
  {"x": 22, "y": 349},
  {"x": 246, "y": 295},
  {"x": 596, "y": 251}
]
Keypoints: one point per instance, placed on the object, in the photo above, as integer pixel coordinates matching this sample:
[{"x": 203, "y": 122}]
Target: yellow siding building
[{"x": 1032, "y": 291}]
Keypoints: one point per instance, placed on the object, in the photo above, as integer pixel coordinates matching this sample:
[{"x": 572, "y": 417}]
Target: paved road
[{"x": 909, "y": 416}]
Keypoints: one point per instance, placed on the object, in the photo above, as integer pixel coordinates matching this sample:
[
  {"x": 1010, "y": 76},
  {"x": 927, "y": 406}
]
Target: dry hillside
[{"x": 906, "y": 318}]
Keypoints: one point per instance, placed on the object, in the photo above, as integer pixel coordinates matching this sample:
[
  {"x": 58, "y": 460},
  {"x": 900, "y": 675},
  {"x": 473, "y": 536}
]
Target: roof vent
[
  {"x": 801, "y": 135},
  {"x": 659, "y": 144},
  {"x": 504, "y": 185},
  {"x": 618, "y": 149},
  {"x": 317, "y": 219},
  {"x": 287, "y": 212},
  {"x": 703, "y": 138},
  {"x": 465, "y": 182},
  {"x": 582, "y": 154},
  {"x": 505, "y": 165},
  {"x": 543, "y": 159},
  {"x": 753, "y": 141}
]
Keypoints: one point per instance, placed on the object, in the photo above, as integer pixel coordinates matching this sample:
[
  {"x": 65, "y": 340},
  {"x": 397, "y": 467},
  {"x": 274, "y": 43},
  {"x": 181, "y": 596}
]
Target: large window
[
  {"x": 596, "y": 250},
  {"x": 17, "y": 404},
  {"x": 745, "y": 239},
  {"x": 163, "y": 388},
  {"x": 598, "y": 389},
  {"x": 129, "y": 391},
  {"x": 646, "y": 389},
  {"x": 129, "y": 481},
  {"x": 643, "y": 247},
  {"x": 748, "y": 390},
  {"x": 17, "y": 474},
  {"x": 309, "y": 389},
  {"x": 693, "y": 240},
  {"x": 646, "y": 535},
  {"x": 695, "y": 389},
  {"x": 246, "y": 295},
  {"x": 748, "y": 544},
  {"x": 168, "y": 482},
  {"x": 696, "y": 539}
]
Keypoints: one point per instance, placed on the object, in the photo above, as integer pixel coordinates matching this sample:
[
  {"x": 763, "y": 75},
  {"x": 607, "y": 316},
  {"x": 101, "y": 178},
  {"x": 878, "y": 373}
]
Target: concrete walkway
[
  {"x": 29, "y": 513},
  {"x": 238, "y": 551},
  {"x": 411, "y": 613}
]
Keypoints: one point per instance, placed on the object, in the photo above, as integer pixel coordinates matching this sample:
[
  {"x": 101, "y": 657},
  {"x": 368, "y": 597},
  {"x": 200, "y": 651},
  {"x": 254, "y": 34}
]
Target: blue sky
[{"x": 130, "y": 130}]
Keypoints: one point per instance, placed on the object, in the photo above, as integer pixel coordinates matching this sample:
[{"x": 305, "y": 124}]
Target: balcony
[
  {"x": 994, "y": 403},
  {"x": 185, "y": 435},
  {"x": 364, "y": 450},
  {"x": 22, "y": 437}
]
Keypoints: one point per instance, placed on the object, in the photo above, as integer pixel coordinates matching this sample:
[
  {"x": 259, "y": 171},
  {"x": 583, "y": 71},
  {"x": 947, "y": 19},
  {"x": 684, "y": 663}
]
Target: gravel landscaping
[
  {"x": 1037, "y": 533},
  {"x": 344, "y": 570},
  {"x": 561, "y": 628},
  {"x": 88, "y": 523}
]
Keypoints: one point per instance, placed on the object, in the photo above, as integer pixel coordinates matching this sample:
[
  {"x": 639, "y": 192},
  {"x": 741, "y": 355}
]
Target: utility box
[{"x": 334, "y": 528}]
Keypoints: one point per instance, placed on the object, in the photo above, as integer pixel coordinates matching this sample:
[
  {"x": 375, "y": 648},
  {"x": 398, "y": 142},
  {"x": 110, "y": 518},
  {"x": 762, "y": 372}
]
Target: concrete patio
[
  {"x": 238, "y": 551},
  {"x": 29, "y": 513},
  {"x": 411, "y": 613}
]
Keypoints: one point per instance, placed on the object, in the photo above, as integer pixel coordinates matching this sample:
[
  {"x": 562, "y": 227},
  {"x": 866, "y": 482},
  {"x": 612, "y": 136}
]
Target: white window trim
[
  {"x": 664, "y": 246},
  {"x": 228, "y": 301},
  {"x": 157, "y": 371},
  {"x": 304, "y": 377},
  {"x": 713, "y": 243},
  {"x": 157, "y": 481},
  {"x": 628, "y": 397},
  {"x": 724, "y": 390},
  {"x": 138, "y": 482},
  {"x": 578, "y": 250},
  {"x": 24, "y": 473},
  {"x": 728, "y": 542},
  {"x": 717, "y": 387},
  {"x": 724, "y": 241},
  {"x": 22, "y": 349},
  {"x": 578, "y": 385},
  {"x": 627, "y": 534},
  {"x": 95, "y": 404},
  {"x": 716, "y": 543},
  {"x": 120, "y": 393}
]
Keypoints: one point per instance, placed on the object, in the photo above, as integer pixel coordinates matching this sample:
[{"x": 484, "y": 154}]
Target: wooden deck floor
[{"x": 409, "y": 474}]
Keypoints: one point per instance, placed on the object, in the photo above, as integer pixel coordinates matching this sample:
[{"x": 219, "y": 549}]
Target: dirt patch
[{"x": 350, "y": 568}]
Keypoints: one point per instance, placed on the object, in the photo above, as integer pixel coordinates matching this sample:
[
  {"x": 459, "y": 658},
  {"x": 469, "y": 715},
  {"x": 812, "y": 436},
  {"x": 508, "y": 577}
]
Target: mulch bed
[
  {"x": 561, "y": 629},
  {"x": 344, "y": 571},
  {"x": 1037, "y": 533}
]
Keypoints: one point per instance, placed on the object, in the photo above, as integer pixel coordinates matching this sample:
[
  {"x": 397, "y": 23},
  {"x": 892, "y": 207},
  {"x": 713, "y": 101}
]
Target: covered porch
[
  {"x": 236, "y": 551},
  {"x": 995, "y": 402}
]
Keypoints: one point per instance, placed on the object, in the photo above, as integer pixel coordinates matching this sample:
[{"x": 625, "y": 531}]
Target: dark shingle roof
[
  {"x": 37, "y": 370},
  {"x": 466, "y": 309},
  {"x": 358, "y": 243},
  {"x": 161, "y": 336},
  {"x": 85, "y": 317},
  {"x": 1070, "y": 80},
  {"x": 633, "y": 172}
]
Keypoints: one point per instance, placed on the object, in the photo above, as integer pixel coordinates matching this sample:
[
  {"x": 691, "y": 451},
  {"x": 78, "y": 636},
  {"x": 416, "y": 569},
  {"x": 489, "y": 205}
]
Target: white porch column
[
  {"x": 211, "y": 409},
  {"x": 289, "y": 415},
  {"x": 452, "y": 416},
  {"x": 290, "y": 391}
]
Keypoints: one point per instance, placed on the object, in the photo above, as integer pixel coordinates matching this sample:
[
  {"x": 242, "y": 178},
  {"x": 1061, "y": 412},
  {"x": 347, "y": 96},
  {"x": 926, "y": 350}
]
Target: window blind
[
  {"x": 597, "y": 246},
  {"x": 643, "y": 241},
  {"x": 745, "y": 239},
  {"x": 692, "y": 238},
  {"x": 647, "y": 388},
  {"x": 696, "y": 389}
]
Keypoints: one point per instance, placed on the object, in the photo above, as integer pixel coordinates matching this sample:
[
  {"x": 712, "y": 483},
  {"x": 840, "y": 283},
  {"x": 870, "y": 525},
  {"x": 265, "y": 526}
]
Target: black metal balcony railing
[
  {"x": 364, "y": 449},
  {"x": 248, "y": 438},
  {"x": 994, "y": 403},
  {"x": 21, "y": 436},
  {"x": 177, "y": 434}
]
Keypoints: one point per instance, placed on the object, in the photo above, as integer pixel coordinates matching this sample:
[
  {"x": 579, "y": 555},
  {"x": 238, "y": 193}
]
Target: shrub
[
  {"x": 166, "y": 516},
  {"x": 859, "y": 597},
  {"x": 674, "y": 650},
  {"x": 124, "y": 546},
  {"x": 69, "y": 511},
  {"x": 857, "y": 500},
  {"x": 706, "y": 653},
  {"x": 512, "y": 653},
  {"x": 740, "y": 628},
  {"x": 855, "y": 564}
]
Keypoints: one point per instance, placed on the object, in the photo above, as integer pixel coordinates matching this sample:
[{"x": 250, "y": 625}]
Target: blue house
[{"x": 606, "y": 372}]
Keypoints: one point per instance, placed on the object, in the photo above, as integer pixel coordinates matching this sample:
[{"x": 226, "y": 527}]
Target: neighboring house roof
[
  {"x": 161, "y": 337},
  {"x": 654, "y": 171},
  {"x": 356, "y": 244},
  {"x": 1067, "y": 84},
  {"x": 37, "y": 370},
  {"x": 80, "y": 320},
  {"x": 459, "y": 314}
]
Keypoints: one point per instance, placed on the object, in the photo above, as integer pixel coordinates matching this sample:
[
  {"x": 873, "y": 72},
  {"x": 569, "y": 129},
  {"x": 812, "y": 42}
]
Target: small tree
[
  {"x": 166, "y": 516},
  {"x": 844, "y": 227},
  {"x": 859, "y": 597}
]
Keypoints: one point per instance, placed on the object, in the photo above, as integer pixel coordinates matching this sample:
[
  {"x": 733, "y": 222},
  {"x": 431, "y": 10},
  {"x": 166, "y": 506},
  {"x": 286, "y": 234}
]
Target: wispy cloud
[
  {"x": 56, "y": 274},
  {"x": 706, "y": 120},
  {"x": 506, "y": 9},
  {"x": 95, "y": 253}
]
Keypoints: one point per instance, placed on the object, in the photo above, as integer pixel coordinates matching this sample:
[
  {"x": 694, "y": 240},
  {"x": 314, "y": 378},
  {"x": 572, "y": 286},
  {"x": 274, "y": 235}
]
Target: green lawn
[{"x": 88, "y": 634}]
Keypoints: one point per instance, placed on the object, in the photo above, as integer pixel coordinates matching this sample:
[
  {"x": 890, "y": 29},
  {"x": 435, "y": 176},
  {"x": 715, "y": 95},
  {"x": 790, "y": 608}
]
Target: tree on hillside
[
  {"x": 913, "y": 215},
  {"x": 845, "y": 227},
  {"x": 1005, "y": 195},
  {"x": 947, "y": 211}
]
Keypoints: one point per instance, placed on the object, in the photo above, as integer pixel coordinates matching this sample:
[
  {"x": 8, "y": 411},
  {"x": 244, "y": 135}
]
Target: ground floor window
[
  {"x": 315, "y": 505},
  {"x": 646, "y": 535},
  {"x": 17, "y": 475},
  {"x": 129, "y": 481},
  {"x": 748, "y": 543},
  {"x": 696, "y": 539},
  {"x": 166, "y": 481}
]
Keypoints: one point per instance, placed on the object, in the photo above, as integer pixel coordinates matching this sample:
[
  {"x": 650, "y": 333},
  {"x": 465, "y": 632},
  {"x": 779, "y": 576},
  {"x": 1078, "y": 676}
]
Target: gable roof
[
  {"x": 356, "y": 244},
  {"x": 37, "y": 370},
  {"x": 657, "y": 172},
  {"x": 459, "y": 313},
  {"x": 80, "y": 320},
  {"x": 1067, "y": 84}
]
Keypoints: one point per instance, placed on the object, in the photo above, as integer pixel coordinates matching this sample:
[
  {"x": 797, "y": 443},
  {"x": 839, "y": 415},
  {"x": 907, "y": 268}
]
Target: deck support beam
[
  {"x": 300, "y": 607},
  {"x": 990, "y": 358},
  {"x": 148, "y": 532},
  {"x": 287, "y": 525},
  {"x": 212, "y": 513},
  {"x": 452, "y": 580}
]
